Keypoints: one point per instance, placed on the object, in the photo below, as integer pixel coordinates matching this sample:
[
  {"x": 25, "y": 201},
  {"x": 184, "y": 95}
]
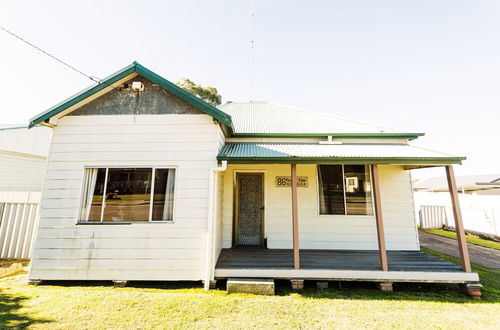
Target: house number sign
[{"x": 286, "y": 181}]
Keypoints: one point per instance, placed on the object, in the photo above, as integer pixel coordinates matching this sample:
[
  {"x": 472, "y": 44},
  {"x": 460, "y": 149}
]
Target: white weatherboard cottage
[{"x": 148, "y": 182}]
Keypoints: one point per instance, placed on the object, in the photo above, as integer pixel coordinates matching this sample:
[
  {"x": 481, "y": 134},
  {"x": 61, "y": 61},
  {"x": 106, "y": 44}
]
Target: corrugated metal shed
[
  {"x": 314, "y": 152},
  {"x": 272, "y": 118}
]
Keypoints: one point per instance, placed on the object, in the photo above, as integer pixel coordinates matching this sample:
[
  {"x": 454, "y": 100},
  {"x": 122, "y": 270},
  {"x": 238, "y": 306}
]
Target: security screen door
[{"x": 250, "y": 209}]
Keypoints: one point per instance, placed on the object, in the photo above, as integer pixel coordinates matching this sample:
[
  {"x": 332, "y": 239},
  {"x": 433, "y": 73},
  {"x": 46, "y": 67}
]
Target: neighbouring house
[
  {"x": 23, "y": 157},
  {"x": 479, "y": 197},
  {"x": 485, "y": 184},
  {"x": 148, "y": 182}
]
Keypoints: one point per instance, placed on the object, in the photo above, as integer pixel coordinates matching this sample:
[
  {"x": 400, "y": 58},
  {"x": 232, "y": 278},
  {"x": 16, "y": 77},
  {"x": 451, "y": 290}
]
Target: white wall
[
  {"x": 479, "y": 212},
  {"x": 21, "y": 172},
  {"x": 140, "y": 251},
  {"x": 23, "y": 155},
  {"x": 34, "y": 141},
  {"x": 327, "y": 231}
]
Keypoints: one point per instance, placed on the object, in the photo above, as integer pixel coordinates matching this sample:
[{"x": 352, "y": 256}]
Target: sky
[{"x": 429, "y": 66}]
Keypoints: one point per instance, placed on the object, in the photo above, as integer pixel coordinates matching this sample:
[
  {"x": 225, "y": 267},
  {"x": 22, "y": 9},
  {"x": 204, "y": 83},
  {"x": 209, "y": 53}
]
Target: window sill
[
  {"x": 347, "y": 215},
  {"x": 104, "y": 223}
]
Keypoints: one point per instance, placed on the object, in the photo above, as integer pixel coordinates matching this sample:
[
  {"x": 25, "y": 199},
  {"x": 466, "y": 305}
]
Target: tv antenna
[{"x": 252, "y": 44}]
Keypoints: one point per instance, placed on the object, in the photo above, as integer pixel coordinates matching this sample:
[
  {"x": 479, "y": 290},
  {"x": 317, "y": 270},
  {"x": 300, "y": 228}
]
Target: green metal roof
[
  {"x": 333, "y": 153},
  {"x": 266, "y": 119},
  {"x": 146, "y": 73}
]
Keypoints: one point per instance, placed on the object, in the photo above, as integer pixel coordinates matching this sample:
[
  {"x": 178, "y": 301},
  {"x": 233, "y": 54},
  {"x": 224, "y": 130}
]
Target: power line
[{"x": 93, "y": 78}]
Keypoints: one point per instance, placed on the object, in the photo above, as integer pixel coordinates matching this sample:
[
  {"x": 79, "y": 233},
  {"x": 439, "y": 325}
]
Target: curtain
[
  {"x": 168, "y": 209},
  {"x": 323, "y": 205},
  {"x": 89, "y": 188}
]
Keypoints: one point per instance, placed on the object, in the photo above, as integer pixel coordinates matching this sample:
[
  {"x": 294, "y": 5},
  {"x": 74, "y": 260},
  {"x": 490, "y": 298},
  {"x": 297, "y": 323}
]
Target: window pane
[
  {"x": 358, "y": 189},
  {"x": 331, "y": 189},
  {"x": 163, "y": 198},
  {"x": 92, "y": 197},
  {"x": 128, "y": 194}
]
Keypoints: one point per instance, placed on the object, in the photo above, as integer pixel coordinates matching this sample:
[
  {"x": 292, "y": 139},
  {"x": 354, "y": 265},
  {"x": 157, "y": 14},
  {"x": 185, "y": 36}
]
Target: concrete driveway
[{"x": 478, "y": 254}]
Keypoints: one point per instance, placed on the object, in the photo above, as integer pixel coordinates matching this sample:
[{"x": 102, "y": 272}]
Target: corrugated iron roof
[
  {"x": 272, "y": 118},
  {"x": 314, "y": 152}
]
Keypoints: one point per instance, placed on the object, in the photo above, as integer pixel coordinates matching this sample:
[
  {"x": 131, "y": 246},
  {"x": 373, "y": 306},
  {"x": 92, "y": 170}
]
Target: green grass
[
  {"x": 155, "y": 305},
  {"x": 472, "y": 239},
  {"x": 5, "y": 263},
  {"x": 490, "y": 278}
]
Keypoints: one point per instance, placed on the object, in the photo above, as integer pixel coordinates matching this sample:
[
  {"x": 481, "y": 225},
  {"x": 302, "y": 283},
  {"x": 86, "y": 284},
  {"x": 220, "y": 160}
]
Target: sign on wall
[{"x": 286, "y": 181}]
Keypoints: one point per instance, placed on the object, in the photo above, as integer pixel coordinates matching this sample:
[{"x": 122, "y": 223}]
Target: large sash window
[
  {"x": 128, "y": 194},
  {"x": 345, "y": 189}
]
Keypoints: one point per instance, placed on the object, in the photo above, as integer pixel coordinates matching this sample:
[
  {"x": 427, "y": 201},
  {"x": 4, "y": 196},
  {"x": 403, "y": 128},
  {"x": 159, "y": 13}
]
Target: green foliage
[
  {"x": 206, "y": 93},
  {"x": 472, "y": 239}
]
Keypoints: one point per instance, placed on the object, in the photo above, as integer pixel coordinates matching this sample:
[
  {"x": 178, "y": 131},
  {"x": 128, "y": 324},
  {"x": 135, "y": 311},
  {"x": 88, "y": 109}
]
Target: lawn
[
  {"x": 181, "y": 305},
  {"x": 472, "y": 239}
]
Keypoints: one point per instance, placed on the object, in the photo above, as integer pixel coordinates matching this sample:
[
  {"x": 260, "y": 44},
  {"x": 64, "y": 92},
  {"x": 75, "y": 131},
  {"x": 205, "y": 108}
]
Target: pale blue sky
[{"x": 422, "y": 66}]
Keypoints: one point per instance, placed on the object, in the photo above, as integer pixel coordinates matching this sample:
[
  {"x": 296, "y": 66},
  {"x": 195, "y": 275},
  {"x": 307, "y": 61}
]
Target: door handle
[{"x": 262, "y": 208}]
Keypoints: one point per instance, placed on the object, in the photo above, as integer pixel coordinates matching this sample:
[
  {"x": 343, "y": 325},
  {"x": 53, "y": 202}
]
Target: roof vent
[
  {"x": 137, "y": 86},
  {"x": 330, "y": 141}
]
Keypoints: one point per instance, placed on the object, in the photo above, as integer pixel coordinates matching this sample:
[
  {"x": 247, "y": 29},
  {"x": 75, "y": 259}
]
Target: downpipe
[{"x": 210, "y": 224}]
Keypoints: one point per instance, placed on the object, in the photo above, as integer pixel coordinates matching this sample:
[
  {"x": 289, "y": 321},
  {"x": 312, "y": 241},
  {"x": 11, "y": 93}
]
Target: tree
[{"x": 206, "y": 93}]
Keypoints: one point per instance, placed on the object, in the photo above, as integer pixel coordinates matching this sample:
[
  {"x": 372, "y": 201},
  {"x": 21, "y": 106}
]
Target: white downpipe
[{"x": 210, "y": 224}]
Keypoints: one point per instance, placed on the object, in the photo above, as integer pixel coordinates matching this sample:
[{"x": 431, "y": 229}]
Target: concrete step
[{"x": 262, "y": 286}]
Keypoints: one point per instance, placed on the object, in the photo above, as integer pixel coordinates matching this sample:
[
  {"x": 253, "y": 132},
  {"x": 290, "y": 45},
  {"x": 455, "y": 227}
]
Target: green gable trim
[
  {"x": 135, "y": 67},
  {"x": 344, "y": 160},
  {"x": 409, "y": 136}
]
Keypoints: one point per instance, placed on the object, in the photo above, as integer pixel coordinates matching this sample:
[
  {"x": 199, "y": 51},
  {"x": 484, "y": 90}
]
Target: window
[
  {"x": 345, "y": 189},
  {"x": 128, "y": 194}
]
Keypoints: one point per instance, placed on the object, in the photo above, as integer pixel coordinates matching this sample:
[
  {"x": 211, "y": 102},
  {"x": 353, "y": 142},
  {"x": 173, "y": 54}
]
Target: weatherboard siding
[
  {"x": 139, "y": 251},
  {"x": 327, "y": 231}
]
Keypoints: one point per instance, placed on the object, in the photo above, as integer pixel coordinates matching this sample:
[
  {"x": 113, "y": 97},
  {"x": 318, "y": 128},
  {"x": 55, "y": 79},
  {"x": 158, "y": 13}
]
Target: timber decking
[{"x": 407, "y": 261}]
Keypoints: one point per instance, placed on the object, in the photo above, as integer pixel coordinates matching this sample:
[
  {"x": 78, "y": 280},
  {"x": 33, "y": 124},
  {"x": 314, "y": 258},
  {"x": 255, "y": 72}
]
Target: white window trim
[
  {"x": 149, "y": 220},
  {"x": 345, "y": 200}
]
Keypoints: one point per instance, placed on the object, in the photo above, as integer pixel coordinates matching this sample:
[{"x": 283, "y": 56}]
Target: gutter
[{"x": 210, "y": 225}]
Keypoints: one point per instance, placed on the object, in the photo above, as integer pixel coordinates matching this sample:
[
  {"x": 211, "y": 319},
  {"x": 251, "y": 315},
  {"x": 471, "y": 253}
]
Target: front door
[{"x": 249, "y": 225}]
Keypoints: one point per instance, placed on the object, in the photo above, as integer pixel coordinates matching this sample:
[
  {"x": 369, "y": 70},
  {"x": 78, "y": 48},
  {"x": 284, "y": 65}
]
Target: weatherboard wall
[
  {"x": 137, "y": 251},
  {"x": 326, "y": 231}
]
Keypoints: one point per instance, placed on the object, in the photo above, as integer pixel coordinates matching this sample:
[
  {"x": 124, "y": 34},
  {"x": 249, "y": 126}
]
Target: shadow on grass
[
  {"x": 432, "y": 292},
  {"x": 166, "y": 285},
  {"x": 446, "y": 293},
  {"x": 10, "y": 314}
]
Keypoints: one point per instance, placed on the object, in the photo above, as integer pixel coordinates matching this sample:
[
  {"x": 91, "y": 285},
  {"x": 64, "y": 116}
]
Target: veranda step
[{"x": 262, "y": 286}]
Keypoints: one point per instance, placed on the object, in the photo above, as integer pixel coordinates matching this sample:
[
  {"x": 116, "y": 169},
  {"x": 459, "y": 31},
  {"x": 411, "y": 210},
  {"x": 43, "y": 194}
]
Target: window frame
[
  {"x": 150, "y": 216},
  {"x": 345, "y": 200}
]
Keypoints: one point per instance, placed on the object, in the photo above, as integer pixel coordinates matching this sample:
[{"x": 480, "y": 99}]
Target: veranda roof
[{"x": 334, "y": 153}]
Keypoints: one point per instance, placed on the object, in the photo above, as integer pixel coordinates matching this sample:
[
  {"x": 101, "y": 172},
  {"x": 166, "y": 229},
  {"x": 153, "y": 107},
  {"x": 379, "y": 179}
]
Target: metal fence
[
  {"x": 432, "y": 216},
  {"x": 485, "y": 221},
  {"x": 17, "y": 229}
]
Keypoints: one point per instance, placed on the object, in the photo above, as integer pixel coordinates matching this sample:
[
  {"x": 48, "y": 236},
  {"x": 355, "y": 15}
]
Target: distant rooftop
[{"x": 466, "y": 182}]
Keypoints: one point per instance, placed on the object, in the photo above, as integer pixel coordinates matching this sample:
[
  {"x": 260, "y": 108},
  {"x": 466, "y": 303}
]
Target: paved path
[{"x": 478, "y": 254}]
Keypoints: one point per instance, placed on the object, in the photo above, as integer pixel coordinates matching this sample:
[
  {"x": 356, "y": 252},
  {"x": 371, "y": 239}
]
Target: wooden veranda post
[
  {"x": 457, "y": 215},
  {"x": 295, "y": 218},
  {"x": 378, "y": 218}
]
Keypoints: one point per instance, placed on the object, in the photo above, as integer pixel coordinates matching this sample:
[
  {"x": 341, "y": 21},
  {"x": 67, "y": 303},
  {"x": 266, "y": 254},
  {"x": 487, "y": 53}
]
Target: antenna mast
[{"x": 252, "y": 33}]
